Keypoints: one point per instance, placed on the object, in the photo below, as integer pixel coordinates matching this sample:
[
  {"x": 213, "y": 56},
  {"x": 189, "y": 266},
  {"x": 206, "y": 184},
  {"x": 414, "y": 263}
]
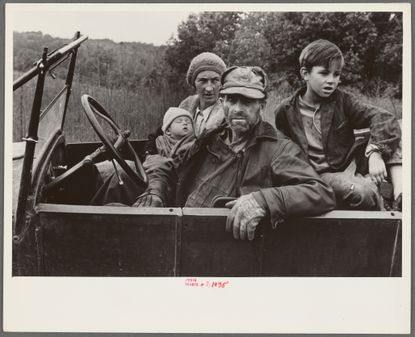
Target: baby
[
  {"x": 177, "y": 125},
  {"x": 176, "y": 129}
]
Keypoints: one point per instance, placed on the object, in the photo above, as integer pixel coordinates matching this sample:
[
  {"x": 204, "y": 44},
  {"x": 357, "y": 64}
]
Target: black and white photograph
[{"x": 178, "y": 167}]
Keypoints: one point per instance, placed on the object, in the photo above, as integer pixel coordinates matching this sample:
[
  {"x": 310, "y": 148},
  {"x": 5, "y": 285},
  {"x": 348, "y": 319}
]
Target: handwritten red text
[{"x": 194, "y": 282}]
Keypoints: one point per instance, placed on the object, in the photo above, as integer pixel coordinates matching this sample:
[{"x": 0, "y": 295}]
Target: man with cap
[
  {"x": 266, "y": 173},
  {"x": 204, "y": 75}
]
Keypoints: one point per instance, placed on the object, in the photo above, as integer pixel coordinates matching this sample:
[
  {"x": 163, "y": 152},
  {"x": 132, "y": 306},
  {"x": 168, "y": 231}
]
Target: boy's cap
[
  {"x": 202, "y": 62},
  {"x": 171, "y": 114},
  {"x": 250, "y": 82}
]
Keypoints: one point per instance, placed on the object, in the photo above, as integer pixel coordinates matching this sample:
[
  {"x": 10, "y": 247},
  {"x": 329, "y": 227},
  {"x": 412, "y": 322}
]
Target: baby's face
[{"x": 180, "y": 127}]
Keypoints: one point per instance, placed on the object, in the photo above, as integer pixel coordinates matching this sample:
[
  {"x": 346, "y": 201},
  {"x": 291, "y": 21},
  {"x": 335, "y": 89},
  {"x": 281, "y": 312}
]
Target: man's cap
[
  {"x": 171, "y": 114},
  {"x": 202, "y": 62},
  {"x": 250, "y": 82}
]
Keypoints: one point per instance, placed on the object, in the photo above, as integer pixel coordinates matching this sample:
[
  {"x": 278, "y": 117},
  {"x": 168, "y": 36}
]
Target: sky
[
  {"x": 148, "y": 23},
  {"x": 116, "y": 22}
]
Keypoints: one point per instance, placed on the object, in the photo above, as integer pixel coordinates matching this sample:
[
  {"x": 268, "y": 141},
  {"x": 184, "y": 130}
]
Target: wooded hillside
[{"x": 137, "y": 82}]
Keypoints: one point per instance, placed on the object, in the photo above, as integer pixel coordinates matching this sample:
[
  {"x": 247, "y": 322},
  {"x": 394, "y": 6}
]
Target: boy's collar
[{"x": 304, "y": 103}]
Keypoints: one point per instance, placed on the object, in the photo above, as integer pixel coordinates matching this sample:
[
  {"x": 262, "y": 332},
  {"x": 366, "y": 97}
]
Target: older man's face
[
  {"x": 241, "y": 113},
  {"x": 207, "y": 84}
]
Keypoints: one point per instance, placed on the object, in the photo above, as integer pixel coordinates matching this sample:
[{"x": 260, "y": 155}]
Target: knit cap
[
  {"x": 202, "y": 62},
  {"x": 171, "y": 114}
]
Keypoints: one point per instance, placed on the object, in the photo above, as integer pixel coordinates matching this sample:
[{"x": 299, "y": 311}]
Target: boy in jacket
[{"x": 321, "y": 119}]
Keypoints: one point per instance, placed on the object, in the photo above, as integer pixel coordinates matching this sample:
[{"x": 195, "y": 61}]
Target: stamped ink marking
[{"x": 193, "y": 282}]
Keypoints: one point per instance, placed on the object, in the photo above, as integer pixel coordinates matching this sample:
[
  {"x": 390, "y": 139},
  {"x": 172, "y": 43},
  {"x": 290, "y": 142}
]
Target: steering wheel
[{"x": 93, "y": 109}]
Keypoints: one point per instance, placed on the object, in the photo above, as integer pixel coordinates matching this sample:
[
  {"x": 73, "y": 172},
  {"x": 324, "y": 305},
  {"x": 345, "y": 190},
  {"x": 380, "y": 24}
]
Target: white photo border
[{"x": 250, "y": 305}]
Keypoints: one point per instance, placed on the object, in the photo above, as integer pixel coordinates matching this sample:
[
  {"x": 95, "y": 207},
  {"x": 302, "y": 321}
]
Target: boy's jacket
[{"x": 341, "y": 113}]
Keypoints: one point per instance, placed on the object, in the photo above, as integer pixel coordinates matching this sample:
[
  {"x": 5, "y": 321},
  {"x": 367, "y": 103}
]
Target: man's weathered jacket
[
  {"x": 341, "y": 113},
  {"x": 271, "y": 166}
]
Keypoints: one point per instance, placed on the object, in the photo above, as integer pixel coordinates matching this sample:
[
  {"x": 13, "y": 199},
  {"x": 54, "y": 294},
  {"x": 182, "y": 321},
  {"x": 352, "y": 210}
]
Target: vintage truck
[{"x": 57, "y": 233}]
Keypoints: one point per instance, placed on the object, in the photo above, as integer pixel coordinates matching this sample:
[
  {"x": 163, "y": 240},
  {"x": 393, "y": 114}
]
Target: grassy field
[{"x": 140, "y": 112}]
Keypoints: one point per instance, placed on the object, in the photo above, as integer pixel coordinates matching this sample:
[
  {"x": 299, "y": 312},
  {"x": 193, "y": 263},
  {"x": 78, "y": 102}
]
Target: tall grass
[{"x": 141, "y": 112}]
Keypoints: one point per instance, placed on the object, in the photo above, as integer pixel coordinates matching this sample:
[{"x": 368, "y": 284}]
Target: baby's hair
[{"x": 320, "y": 53}]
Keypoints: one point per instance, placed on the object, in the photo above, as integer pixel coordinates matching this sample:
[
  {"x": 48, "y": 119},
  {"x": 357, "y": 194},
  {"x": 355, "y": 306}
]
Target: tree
[
  {"x": 250, "y": 47},
  {"x": 388, "y": 62},
  {"x": 208, "y": 31}
]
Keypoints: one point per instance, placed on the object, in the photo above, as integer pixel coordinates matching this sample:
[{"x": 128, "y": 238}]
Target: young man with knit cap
[
  {"x": 204, "y": 75},
  {"x": 267, "y": 174}
]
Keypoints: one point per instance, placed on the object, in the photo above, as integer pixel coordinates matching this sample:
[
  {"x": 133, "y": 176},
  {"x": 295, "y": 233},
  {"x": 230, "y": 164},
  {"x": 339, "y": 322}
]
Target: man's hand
[
  {"x": 377, "y": 168},
  {"x": 148, "y": 200},
  {"x": 244, "y": 217}
]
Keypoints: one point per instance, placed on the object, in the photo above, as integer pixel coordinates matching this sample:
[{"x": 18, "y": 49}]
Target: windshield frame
[{"x": 47, "y": 63}]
